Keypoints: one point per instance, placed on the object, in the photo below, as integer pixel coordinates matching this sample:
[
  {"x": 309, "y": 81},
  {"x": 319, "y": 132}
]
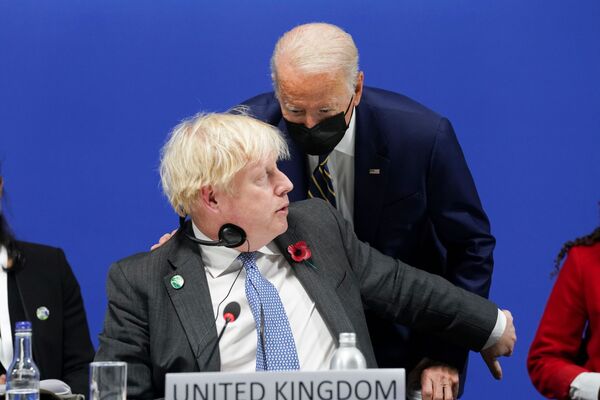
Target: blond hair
[
  {"x": 209, "y": 149},
  {"x": 317, "y": 48}
]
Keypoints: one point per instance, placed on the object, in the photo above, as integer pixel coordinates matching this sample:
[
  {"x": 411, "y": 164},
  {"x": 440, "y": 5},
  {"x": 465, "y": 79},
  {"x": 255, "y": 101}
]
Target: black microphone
[
  {"x": 230, "y": 314},
  {"x": 230, "y": 235}
]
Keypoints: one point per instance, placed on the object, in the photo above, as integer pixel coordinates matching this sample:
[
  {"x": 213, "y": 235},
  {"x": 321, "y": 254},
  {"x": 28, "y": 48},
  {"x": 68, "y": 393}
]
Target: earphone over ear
[{"x": 230, "y": 235}]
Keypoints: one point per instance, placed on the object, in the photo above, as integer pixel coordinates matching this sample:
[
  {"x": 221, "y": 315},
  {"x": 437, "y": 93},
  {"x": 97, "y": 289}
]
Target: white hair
[
  {"x": 317, "y": 48},
  {"x": 209, "y": 149}
]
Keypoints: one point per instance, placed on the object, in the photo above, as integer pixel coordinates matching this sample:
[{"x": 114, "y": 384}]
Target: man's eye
[
  {"x": 325, "y": 110},
  {"x": 262, "y": 179}
]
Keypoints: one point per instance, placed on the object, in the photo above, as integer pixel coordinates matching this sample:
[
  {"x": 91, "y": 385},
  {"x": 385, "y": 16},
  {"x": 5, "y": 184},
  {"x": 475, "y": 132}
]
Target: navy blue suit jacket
[{"x": 422, "y": 207}]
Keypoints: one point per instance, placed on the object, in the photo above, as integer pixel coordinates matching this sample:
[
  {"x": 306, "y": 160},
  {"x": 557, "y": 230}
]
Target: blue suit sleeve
[
  {"x": 458, "y": 217},
  {"x": 462, "y": 227}
]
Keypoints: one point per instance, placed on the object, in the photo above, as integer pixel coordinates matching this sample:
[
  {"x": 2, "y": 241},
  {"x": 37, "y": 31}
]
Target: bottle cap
[
  {"x": 23, "y": 326},
  {"x": 348, "y": 338}
]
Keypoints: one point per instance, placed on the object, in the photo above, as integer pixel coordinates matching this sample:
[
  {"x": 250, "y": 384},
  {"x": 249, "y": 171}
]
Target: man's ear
[
  {"x": 208, "y": 198},
  {"x": 359, "y": 88}
]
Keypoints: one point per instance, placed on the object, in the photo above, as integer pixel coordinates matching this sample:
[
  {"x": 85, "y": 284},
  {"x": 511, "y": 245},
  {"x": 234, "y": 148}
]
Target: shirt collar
[
  {"x": 346, "y": 145},
  {"x": 3, "y": 258},
  {"x": 221, "y": 260}
]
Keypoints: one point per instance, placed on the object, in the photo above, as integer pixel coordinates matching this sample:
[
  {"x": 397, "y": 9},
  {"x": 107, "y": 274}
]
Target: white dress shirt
[
  {"x": 6, "y": 350},
  {"x": 226, "y": 281},
  {"x": 341, "y": 168}
]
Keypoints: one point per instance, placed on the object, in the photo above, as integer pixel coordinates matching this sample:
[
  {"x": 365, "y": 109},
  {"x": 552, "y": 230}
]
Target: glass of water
[{"x": 108, "y": 380}]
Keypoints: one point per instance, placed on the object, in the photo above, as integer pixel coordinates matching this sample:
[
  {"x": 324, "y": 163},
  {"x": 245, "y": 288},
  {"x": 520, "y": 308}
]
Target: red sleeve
[{"x": 558, "y": 338}]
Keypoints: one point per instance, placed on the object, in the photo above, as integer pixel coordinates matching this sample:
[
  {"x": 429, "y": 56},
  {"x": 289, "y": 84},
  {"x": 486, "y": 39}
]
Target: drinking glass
[{"x": 108, "y": 380}]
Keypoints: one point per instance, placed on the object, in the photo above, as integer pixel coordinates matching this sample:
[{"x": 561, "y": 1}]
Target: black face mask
[{"x": 322, "y": 138}]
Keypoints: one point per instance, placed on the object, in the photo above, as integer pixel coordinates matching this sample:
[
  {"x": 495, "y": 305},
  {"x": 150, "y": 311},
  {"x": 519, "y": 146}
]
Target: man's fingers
[
  {"x": 450, "y": 392},
  {"x": 439, "y": 382},
  {"x": 163, "y": 239},
  {"x": 455, "y": 391},
  {"x": 426, "y": 389},
  {"x": 443, "y": 391},
  {"x": 494, "y": 367},
  {"x": 511, "y": 332},
  {"x": 504, "y": 347}
]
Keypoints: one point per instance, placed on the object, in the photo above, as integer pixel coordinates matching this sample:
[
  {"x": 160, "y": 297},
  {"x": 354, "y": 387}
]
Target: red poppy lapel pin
[{"x": 300, "y": 252}]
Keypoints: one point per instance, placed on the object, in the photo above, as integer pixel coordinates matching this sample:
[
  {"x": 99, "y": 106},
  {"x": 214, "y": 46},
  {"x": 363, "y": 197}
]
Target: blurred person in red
[{"x": 564, "y": 358}]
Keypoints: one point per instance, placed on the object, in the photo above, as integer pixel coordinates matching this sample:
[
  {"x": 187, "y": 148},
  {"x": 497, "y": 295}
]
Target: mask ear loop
[{"x": 349, "y": 104}]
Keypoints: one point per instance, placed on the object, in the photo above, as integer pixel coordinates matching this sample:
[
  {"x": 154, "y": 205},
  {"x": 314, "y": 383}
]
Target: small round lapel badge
[
  {"x": 42, "y": 313},
  {"x": 177, "y": 282}
]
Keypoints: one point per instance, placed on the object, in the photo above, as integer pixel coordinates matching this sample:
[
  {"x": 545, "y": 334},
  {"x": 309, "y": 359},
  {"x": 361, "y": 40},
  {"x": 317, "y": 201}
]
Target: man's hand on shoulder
[
  {"x": 504, "y": 347},
  {"x": 163, "y": 239},
  {"x": 436, "y": 381}
]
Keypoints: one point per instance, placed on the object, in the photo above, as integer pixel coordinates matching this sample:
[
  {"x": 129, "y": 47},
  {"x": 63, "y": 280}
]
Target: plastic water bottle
[
  {"x": 348, "y": 356},
  {"x": 23, "y": 376}
]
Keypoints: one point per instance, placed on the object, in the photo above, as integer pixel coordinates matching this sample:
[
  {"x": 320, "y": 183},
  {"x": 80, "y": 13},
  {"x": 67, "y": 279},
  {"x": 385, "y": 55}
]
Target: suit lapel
[
  {"x": 29, "y": 300},
  {"x": 192, "y": 302},
  {"x": 317, "y": 284},
  {"x": 371, "y": 173}
]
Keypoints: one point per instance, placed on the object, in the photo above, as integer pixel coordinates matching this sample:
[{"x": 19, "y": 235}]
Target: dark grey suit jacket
[{"x": 157, "y": 329}]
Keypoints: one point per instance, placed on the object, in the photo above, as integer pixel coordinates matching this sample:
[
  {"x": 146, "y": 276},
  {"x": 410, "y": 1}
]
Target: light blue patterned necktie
[{"x": 275, "y": 348}]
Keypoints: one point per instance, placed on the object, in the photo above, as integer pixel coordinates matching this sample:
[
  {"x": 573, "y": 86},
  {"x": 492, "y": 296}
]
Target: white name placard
[{"x": 373, "y": 384}]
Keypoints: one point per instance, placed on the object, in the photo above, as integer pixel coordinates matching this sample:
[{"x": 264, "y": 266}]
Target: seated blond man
[{"x": 164, "y": 306}]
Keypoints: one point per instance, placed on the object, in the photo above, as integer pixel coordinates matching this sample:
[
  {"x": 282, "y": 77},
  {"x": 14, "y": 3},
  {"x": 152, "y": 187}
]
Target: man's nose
[
  {"x": 310, "y": 121},
  {"x": 285, "y": 185}
]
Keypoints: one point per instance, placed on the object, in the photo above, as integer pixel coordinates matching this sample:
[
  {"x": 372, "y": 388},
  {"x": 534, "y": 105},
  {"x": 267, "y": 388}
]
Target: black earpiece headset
[{"x": 230, "y": 235}]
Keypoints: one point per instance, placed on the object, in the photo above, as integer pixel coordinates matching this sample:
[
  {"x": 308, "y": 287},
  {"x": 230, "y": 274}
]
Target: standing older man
[
  {"x": 164, "y": 306},
  {"x": 393, "y": 168}
]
